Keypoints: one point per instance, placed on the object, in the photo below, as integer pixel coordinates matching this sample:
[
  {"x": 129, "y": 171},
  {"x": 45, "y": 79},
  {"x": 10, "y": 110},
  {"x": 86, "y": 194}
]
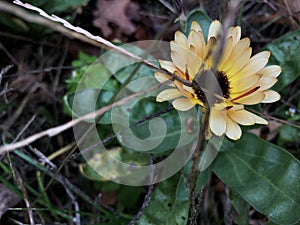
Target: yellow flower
[{"x": 240, "y": 79}]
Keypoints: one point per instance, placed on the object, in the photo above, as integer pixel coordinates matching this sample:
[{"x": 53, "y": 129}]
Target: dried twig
[
  {"x": 56, "y": 130},
  {"x": 4, "y": 71},
  {"x": 23, "y": 189},
  {"x": 69, "y": 187},
  {"x": 24, "y": 128}
]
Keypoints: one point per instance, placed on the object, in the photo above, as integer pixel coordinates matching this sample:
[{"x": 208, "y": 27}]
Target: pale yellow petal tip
[
  {"x": 216, "y": 22},
  {"x": 180, "y": 38},
  {"x": 235, "y": 138},
  {"x": 271, "y": 96},
  {"x": 214, "y": 29},
  {"x": 157, "y": 73},
  {"x": 160, "y": 99},
  {"x": 160, "y": 61},
  {"x": 195, "y": 26},
  {"x": 183, "y": 104},
  {"x": 260, "y": 120},
  {"x": 266, "y": 54}
]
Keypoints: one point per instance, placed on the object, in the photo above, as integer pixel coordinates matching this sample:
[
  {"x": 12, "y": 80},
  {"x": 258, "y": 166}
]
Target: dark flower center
[{"x": 205, "y": 86}]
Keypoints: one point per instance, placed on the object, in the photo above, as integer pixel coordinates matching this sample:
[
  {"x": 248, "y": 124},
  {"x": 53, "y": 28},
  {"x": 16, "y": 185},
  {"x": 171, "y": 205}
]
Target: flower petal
[
  {"x": 168, "y": 94},
  {"x": 183, "y": 104},
  {"x": 270, "y": 71},
  {"x": 195, "y": 26},
  {"x": 181, "y": 39},
  {"x": 217, "y": 121},
  {"x": 233, "y": 130},
  {"x": 162, "y": 77},
  {"x": 239, "y": 56},
  {"x": 260, "y": 120},
  {"x": 196, "y": 42},
  {"x": 207, "y": 55},
  {"x": 226, "y": 53},
  {"x": 185, "y": 59},
  {"x": 214, "y": 29},
  {"x": 270, "y": 96},
  {"x": 266, "y": 82},
  {"x": 240, "y": 61},
  {"x": 243, "y": 84},
  {"x": 242, "y": 117},
  {"x": 256, "y": 63},
  {"x": 245, "y": 117},
  {"x": 168, "y": 65},
  {"x": 235, "y": 33},
  {"x": 251, "y": 99}
]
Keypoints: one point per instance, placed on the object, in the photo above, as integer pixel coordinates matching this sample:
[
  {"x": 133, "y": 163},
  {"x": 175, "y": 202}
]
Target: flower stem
[{"x": 193, "y": 195}]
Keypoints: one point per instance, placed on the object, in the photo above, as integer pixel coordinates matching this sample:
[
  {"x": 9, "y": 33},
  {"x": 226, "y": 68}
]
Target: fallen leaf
[
  {"x": 115, "y": 16},
  {"x": 8, "y": 199}
]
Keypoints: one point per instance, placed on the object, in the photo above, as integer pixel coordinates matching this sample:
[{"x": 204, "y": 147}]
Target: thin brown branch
[{"x": 293, "y": 124}]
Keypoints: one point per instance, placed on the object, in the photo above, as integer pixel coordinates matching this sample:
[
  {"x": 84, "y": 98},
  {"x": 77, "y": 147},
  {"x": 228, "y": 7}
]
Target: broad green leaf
[
  {"x": 124, "y": 68},
  {"x": 165, "y": 208},
  {"x": 242, "y": 208},
  {"x": 90, "y": 73},
  {"x": 201, "y": 17},
  {"x": 87, "y": 101},
  {"x": 288, "y": 133},
  {"x": 148, "y": 107},
  {"x": 286, "y": 53},
  {"x": 265, "y": 175},
  {"x": 96, "y": 75}
]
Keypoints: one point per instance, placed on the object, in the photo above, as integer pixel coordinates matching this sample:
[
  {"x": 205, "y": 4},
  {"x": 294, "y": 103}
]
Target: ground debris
[
  {"x": 115, "y": 17},
  {"x": 8, "y": 199}
]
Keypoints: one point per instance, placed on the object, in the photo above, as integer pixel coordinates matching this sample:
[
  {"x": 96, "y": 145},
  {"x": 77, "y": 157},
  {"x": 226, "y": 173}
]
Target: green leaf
[
  {"x": 164, "y": 207},
  {"x": 124, "y": 68},
  {"x": 242, "y": 208},
  {"x": 128, "y": 197},
  {"x": 152, "y": 130},
  {"x": 265, "y": 175},
  {"x": 286, "y": 53},
  {"x": 90, "y": 73},
  {"x": 288, "y": 133},
  {"x": 86, "y": 101},
  {"x": 201, "y": 17}
]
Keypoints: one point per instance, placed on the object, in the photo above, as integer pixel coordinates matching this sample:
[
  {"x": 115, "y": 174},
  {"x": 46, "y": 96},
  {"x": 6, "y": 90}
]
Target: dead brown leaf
[
  {"x": 8, "y": 199},
  {"x": 115, "y": 17}
]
